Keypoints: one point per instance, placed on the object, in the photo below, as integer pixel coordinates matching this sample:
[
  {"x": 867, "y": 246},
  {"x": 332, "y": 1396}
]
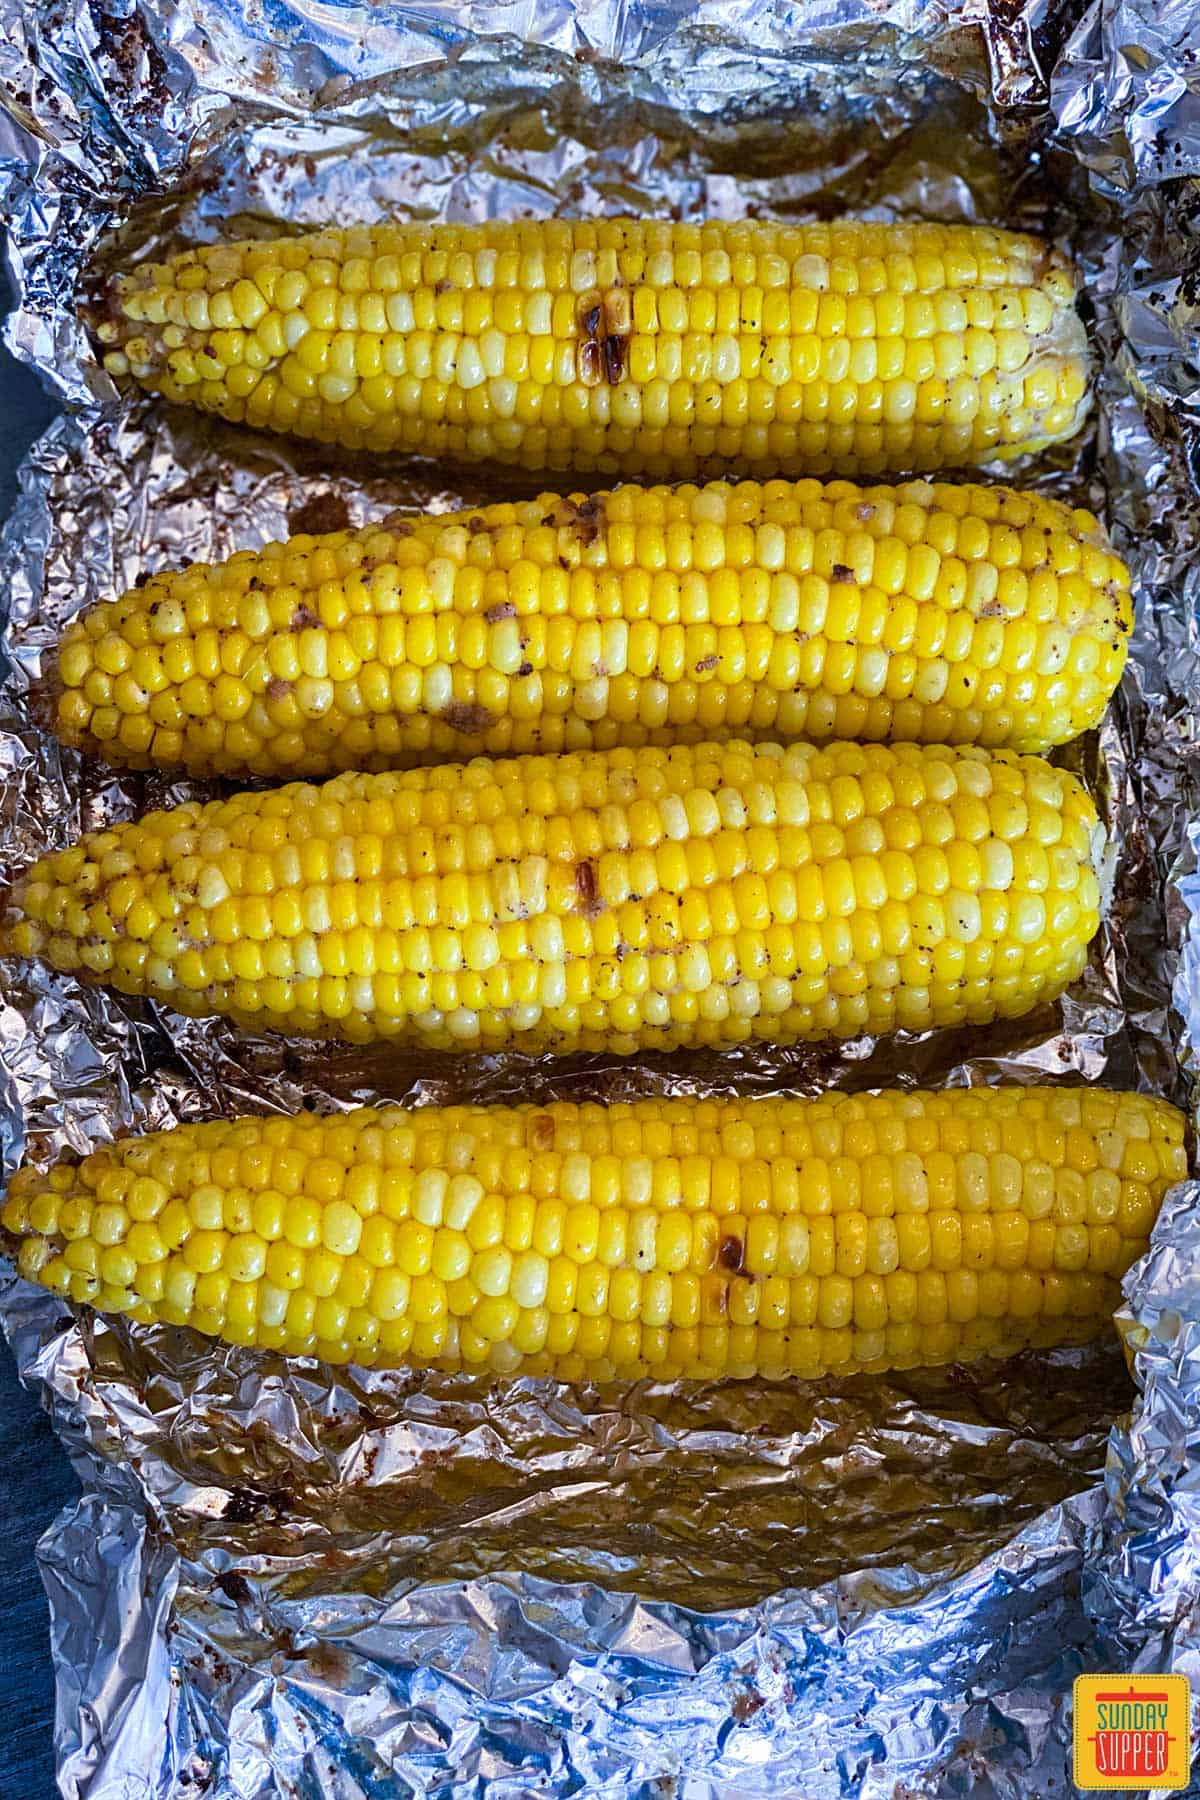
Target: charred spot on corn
[
  {"x": 467, "y": 719},
  {"x": 605, "y": 325},
  {"x": 541, "y": 1131},
  {"x": 583, "y": 519},
  {"x": 588, "y": 888},
  {"x": 731, "y": 1254}
]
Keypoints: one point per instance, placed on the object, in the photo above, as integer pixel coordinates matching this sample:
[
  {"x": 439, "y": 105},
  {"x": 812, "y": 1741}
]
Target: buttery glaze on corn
[
  {"x": 621, "y": 345},
  {"x": 621, "y": 900},
  {"x": 938, "y": 614},
  {"x": 666, "y": 1238}
]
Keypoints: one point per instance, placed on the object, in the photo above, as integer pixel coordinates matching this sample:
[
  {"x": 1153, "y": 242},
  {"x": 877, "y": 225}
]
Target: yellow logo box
[{"x": 1132, "y": 1731}]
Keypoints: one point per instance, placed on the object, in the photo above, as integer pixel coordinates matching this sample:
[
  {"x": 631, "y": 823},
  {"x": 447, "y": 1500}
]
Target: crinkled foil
[{"x": 283, "y": 1580}]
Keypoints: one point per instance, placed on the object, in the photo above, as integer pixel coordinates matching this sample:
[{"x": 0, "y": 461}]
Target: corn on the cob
[
  {"x": 930, "y": 613},
  {"x": 613, "y": 900},
  {"x": 682, "y": 1237},
  {"x": 623, "y": 346}
]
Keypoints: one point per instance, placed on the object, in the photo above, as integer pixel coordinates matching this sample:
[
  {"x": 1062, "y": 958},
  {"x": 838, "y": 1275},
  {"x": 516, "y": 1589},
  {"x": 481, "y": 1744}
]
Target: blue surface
[{"x": 35, "y": 1477}]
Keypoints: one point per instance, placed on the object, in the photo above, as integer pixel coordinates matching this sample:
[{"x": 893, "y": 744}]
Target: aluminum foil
[{"x": 283, "y": 1580}]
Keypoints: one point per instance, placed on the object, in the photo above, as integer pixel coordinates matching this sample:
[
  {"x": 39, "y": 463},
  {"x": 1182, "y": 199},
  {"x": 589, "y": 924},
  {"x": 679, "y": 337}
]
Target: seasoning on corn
[
  {"x": 622, "y": 345},
  {"x": 932, "y": 613},
  {"x": 666, "y": 1238},
  {"x": 612, "y": 900}
]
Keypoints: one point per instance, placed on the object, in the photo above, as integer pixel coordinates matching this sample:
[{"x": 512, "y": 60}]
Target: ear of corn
[
  {"x": 685, "y": 1237},
  {"x": 620, "y": 900},
  {"x": 622, "y": 345},
  {"x": 930, "y": 613}
]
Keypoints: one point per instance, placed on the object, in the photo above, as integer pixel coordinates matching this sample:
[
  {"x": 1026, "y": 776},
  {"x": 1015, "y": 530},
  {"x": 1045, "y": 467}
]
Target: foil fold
[{"x": 283, "y": 1579}]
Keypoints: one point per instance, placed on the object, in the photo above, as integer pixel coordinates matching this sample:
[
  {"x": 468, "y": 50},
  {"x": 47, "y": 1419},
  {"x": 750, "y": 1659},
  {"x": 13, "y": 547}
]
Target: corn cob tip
[
  {"x": 15, "y": 928},
  {"x": 102, "y": 312},
  {"x": 58, "y": 708},
  {"x": 44, "y": 697}
]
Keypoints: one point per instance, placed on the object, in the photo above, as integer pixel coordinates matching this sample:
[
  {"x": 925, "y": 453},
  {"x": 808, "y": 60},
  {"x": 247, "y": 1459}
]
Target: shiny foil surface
[{"x": 283, "y": 1580}]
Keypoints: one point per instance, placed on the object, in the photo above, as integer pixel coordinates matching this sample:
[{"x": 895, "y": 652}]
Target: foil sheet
[{"x": 284, "y": 1580}]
